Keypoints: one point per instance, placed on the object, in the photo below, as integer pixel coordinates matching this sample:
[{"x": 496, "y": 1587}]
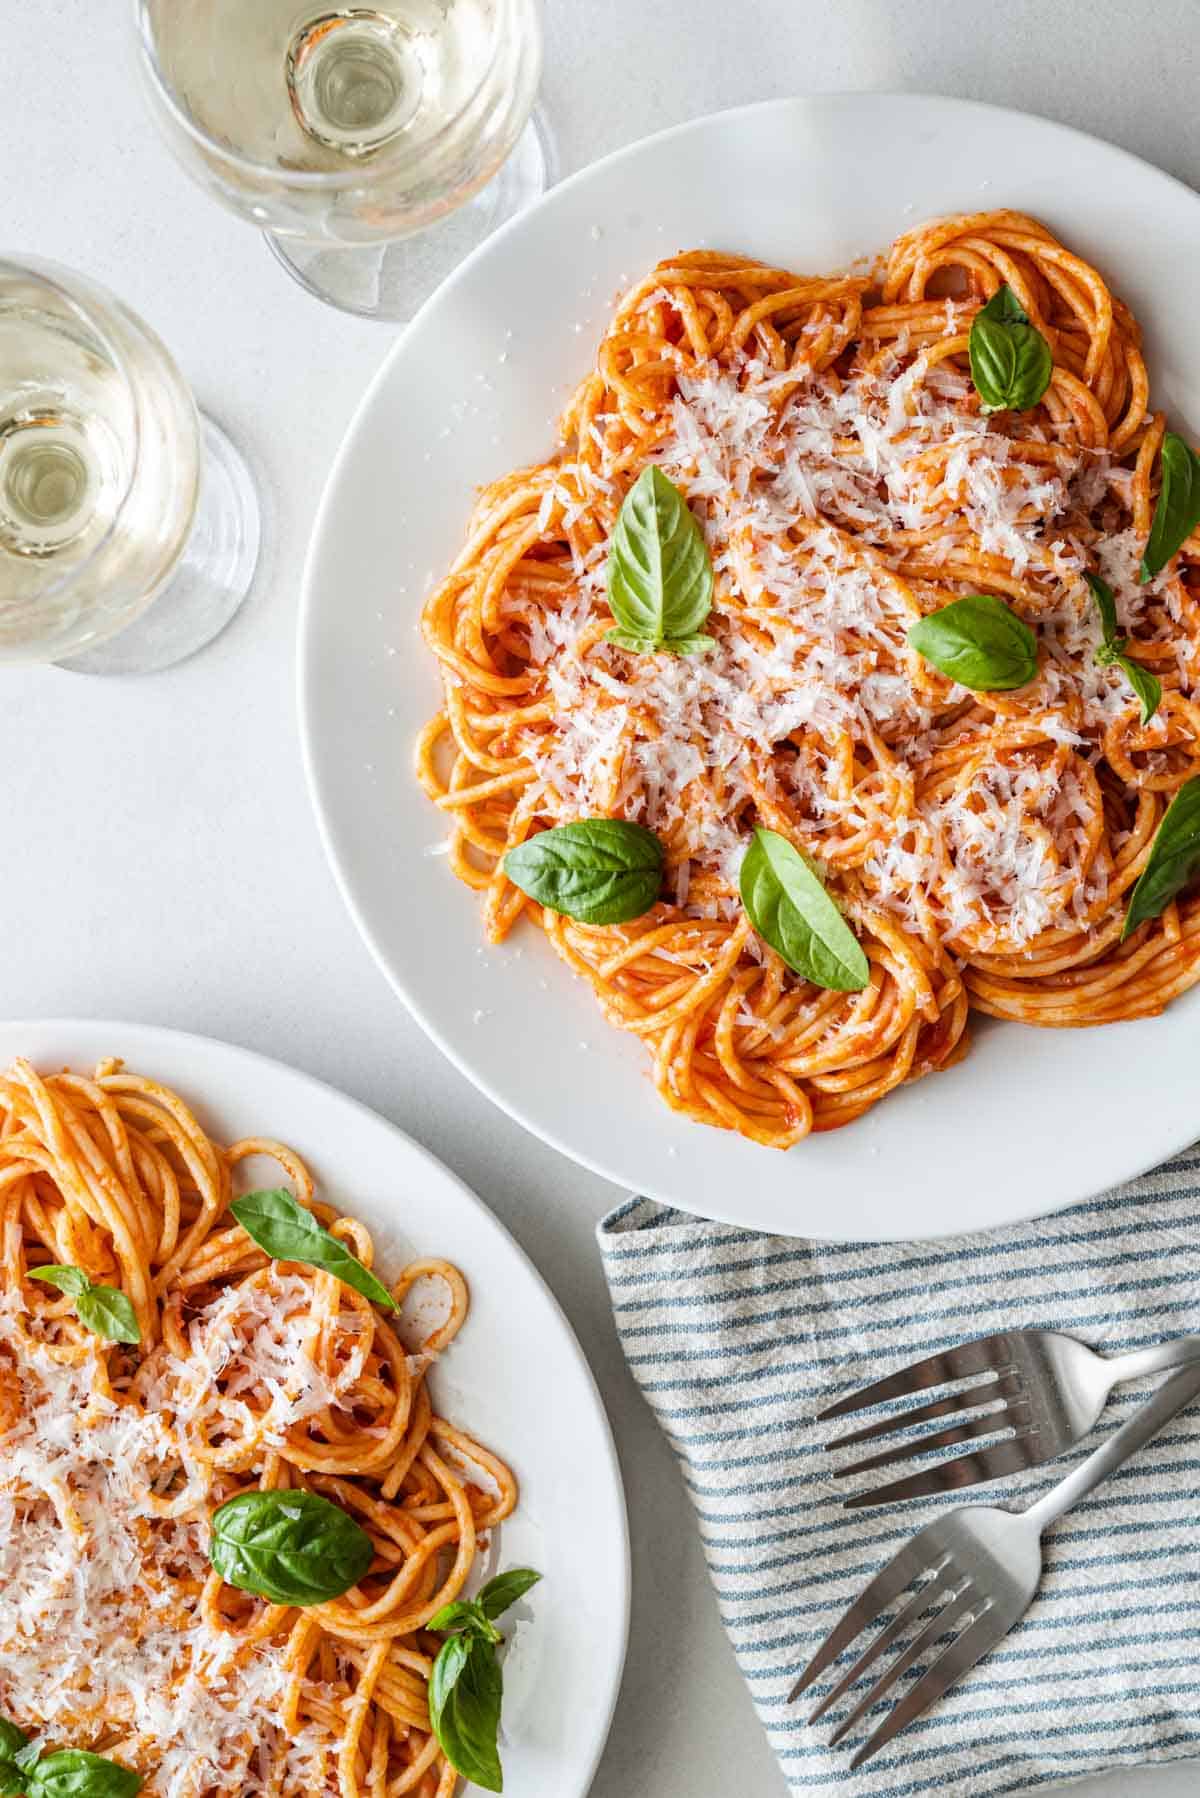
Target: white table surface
[{"x": 160, "y": 860}]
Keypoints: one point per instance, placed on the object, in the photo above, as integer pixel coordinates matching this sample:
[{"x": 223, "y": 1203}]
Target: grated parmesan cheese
[
  {"x": 99, "y": 1586},
  {"x": 803, "y": 485}
]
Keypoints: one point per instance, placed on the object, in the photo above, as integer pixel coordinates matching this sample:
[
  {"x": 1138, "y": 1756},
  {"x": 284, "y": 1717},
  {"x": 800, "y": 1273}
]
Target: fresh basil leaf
[
  {"x": 12, "y": 1740},
  {"x": 13, "y": 1743},
  {"x": 464, "y": 1614},
  {"x": 279, "y": 1224},
  {"x": 1146, "y": 685},
  {"x": 660, "y": 580},
  {"x": 978, "y": 642},
  {"x": 1011, "y": 363},
  {"x": 1004, "y": 308},
  {"x": 101, "y": 1309},
  {"x": 68, "y": 1279},
  {"x": 600, "y": 871},
  {"x": 1111, "y": 653},
  {"x": 108, "y": 1313},
  {"x": 501, "y": 1593},
  {"x": 790, "y": 909},
  {"x": 1110, "y": 631},
  {"x": 294, "y": 1548},
  {"x": 1174, "y": 858},
  {"x": 1177, "y": 512},
  {"x": 466, "y": 1690},
  {"x": 73, "y": 1773},
  {"x": 679, "y": 646}
]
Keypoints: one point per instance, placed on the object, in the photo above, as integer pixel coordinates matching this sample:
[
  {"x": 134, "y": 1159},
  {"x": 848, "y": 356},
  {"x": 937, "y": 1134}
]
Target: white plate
[
  {"x": 1032, "y": 1119},
  {"x": 516, "y": 1377}
]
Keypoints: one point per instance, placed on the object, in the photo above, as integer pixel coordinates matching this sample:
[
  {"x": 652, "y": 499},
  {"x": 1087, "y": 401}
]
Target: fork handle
[
  {"x": 1178, "y": 1351},
  {"x": 1172, "y": 1396}
]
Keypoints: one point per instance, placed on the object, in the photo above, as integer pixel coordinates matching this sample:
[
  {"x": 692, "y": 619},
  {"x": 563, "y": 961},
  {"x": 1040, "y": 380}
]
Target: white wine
[
  {"x": 309, "y": 88},
  {"x": 100, "y": 478},
  {"x": 358, "y": 79},
  {"x": 343, "y": 126},
  {"x": 64, "y": 418}
]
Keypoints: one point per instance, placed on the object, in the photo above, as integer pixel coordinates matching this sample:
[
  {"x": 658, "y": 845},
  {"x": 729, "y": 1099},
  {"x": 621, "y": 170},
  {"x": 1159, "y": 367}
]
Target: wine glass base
[
  {"x": 392, "y": 280},
  {"x": 214, "y": 575}
]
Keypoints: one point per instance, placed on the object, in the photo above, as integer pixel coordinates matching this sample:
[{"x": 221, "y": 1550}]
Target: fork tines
[
  {"x": 1009, "y": 1412},
  {"x": 953, "y": 1608}
]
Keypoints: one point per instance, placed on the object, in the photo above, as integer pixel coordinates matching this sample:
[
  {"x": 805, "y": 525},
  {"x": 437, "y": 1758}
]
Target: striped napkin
[{"x": 738, "y": 1339}]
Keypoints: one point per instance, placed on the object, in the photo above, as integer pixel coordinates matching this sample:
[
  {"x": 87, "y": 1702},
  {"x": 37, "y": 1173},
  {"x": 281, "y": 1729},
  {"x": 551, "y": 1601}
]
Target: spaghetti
[
  {"x": 827, "y": 435},
  {"x": 116, "y": 1634}
]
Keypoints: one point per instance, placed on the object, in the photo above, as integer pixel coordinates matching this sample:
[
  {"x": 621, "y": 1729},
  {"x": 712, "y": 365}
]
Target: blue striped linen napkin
[{"x": 738, "y": 1339}]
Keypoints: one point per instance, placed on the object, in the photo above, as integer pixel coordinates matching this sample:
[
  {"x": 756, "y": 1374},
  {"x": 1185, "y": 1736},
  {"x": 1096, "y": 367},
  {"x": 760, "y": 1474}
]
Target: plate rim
[
  {"x": 256, "y": 1058},
  {"x": 1138, "y": 1164}
]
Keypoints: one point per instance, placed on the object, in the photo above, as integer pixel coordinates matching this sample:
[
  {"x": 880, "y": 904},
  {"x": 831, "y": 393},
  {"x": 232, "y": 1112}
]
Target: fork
[
  {"x": 1053, "y": 1386},
  {"x": 980, "y": 1567}
]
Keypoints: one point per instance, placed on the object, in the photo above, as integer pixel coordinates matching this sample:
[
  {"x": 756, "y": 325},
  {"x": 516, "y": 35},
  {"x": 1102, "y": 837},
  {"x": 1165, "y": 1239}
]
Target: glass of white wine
[
  {"x": 376, "y": 145},
  {"x": 129, "y": 525}
]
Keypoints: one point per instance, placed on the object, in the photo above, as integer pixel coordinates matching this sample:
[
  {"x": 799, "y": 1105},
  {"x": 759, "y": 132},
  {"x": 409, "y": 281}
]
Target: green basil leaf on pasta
[
  {"x": 74, "y": 1773},
  {"x": 978, "y": 642},
  {"x": 791, "y": 910},
  {"x": 281, "y": 1226},
  {"x": 1146, "y": 685},
  {"x": 293, "y": 1548},
  {"x": 466, "y": 1692},
  {"x": 103, "y": 1310},
  {"x": 1174, "y": 858},
  {"x": 1111, "y": 652},
  {"x": 464, "y": 1614},
  {"x": 71, "y": 1280},
  {"x": 1177, "y": 511},
  {"x": 466, "y": 1686},
  {"x": 108, "y": 1313},
  {"x": 660, "y": 580},
  {"x": 501, "y": 1593},
  {"x": 1011, "y": 363},
  {"x": 599, "y": 871},
  {"x": 1112, "y": 642},
  {"x": 13, "y": 1742}
]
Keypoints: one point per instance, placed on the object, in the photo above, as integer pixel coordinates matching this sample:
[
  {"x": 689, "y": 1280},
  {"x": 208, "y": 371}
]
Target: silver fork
[
  {"x": 1053, "y": 1390},
  {"x": 979, "y": 1568}
]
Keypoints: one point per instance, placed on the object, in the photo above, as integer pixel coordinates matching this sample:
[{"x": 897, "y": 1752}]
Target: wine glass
[
  {"x": 129, "y": 525},
  {"x": 375, "y": 145}
]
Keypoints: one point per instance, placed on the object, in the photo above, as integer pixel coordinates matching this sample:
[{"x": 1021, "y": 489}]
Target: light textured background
[{"x": 160, "y": 861}]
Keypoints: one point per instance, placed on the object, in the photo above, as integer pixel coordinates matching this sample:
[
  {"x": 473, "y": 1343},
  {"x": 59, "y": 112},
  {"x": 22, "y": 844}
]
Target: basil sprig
[
  {"x": 70, "y": 1773},
  {"x": 466, "y": 1688},
  {"x": 14, "y": 1744},
  {"x": 1177, "y": 512},
  {"x": 291, "y": 1547},
  {"x": 1011, "y": 363},
  {"x": 660, "y": 580},
  {"x": 279, "y": 1224},
  {"x": 600, "y": 871},
  {"x": 790, "y": 909},
  {"x": 1174, "y": 858},
  {"x": 104, "y": 1310},
  {"x": 1112, "y": 649},
  {"x": 978, "y": 642}
]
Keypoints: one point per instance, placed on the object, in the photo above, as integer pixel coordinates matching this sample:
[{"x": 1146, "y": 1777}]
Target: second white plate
[
  {"x": 516, "y": 1377},
  {"x": 1031, "y": 1120}
]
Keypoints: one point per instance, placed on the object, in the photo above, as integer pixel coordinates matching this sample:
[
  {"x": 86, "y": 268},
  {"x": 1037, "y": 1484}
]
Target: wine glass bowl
[
  {"x": 353, "y": 128},
  {"x": 129, "y": 524},
  {"x": 100, "y": 463}
]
